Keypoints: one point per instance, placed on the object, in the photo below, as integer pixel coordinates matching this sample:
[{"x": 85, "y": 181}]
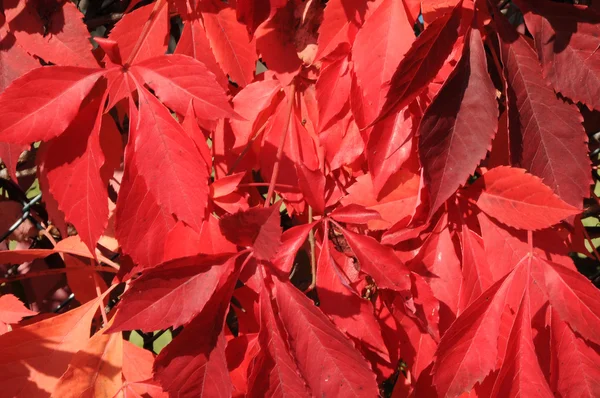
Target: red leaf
[
  {"x": 29, "y": 362},
  {"x": 275, "y": 43},
  {"x": 28, "y": 106},
  {"x": 255, "y": 103},
  {"x": 252, "y": 13},
  {"x": 354, "y": 214},
  {"x": 575, "y": 299},
  {"x": 379, "y": 261},
  {"x": 327, "y": 360},
  {"x": 550, "y": 142},
  {"x": 438, "y": 262},
  {"x": 458, "y": 366},
  {"x": 169, "y": 162},
  {"x": 351, "y": 313},
  {"x": 194, "y": 364},
  {"x": 14, "y": 63},
  {"x": 380, "y": 45},
  {"x": 54, "y": 31},
  {"x": 172, "y": 294},
  {"x": 81, "y": 280},
  {"x": 477, "y": 277},
  {"x": 12, "y": 310},
  {"x": 457, "y": 128},
  {"x": 312, "y": 185},
  {"x": 128, "y": 30},
  {"x": 422, "y": 62},
  {"x": 275, "y": 373},
  {"x": 229, "y": 41},
  {"x": 574, "y": 369},
  {"x": 178, "y": 79},
  {"x": 341, "y": 20},
  {"x": 257, "y": 228},
  {"x": 141, "y": 221},
  {"x": 78, "y": 169},
  {"x": 520, "y": 200},
  {"x": 390, "y": 146},
  {"x": 95, "y": 370},
  {"x": 194, "y": 43},
  {"x": 396, "y": 200},
  {"x": 291, "y": 241},
  {"x": 333, "y": 91},
  {"x": 520, "y": 374},
  {"x": 567, "y": 38}
]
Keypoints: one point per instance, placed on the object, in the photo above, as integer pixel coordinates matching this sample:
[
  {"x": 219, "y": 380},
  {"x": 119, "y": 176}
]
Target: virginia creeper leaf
[
  {"x": 95, "y": 370},
  {"x": 567, "y": 39},
  {"x": 574, "y": 298},
  {"x": 178, "y": 79},
  {"x": 29, "y": 361},
  {"x": 520, "y": 200},
  {"x": 574, "y": 363},
  {"x": 169, "y": 162},
  {"x": 28, "y": 106},
  {"x": 326, "y": 358},
  {"x": 422, "y": 62},
  {"x": 172, "y": 294},
  {"x": 379, "y": 261},
  {"x": 457, "y": 129},
  {"x": 546, "y": 137},
  {"x": 229, "y": 41}
]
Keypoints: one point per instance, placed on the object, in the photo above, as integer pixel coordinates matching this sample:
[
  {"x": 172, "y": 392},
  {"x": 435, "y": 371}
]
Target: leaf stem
[{"x": 280, "y": 147}]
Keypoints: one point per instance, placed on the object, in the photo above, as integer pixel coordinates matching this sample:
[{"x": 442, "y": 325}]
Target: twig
[
  {"x": 24, "y": 217},
  {"x": 282, "y": 139}
]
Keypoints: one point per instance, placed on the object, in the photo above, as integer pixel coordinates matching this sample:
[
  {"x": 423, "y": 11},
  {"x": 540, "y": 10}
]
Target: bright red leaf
[{"x": 520, "y": 200}]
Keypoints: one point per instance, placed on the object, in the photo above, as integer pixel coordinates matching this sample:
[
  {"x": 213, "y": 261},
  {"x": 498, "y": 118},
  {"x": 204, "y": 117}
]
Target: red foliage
[{"x": 385, "y": 205}]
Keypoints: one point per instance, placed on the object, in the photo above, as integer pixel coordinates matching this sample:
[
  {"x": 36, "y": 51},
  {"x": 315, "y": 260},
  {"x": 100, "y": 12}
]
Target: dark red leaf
[
  {"x": 457, "y": 129},
  {"x": 547, "y": 138},
  {"x": 422, "y": 62}
]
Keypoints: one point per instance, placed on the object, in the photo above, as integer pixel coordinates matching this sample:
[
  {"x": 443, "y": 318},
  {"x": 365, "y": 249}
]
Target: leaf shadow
[{"x": 23, "y": 354}]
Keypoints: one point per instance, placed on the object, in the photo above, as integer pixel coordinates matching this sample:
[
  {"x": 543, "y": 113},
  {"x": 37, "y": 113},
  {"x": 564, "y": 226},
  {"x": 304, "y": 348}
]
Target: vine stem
[
  {"x": 280, "y": 147},
  {"x": 140, "y": 40},
  {"x": 313, "y": 256}
]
